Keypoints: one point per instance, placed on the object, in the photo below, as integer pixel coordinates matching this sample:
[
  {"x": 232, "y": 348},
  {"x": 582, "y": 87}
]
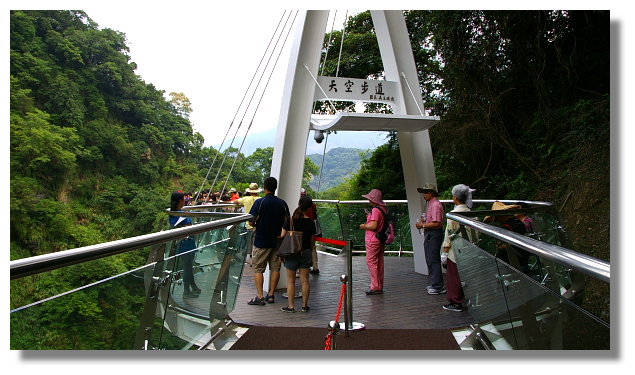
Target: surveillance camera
[{"x": 318, "y": 136}]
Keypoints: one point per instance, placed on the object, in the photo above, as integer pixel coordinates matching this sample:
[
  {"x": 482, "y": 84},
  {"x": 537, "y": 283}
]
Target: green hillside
[{"x": 339, "y": 164}]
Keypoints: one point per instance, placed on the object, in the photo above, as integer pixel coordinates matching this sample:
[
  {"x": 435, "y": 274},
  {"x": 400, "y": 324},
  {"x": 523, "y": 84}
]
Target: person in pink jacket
[{"x": 374, "y": 247}]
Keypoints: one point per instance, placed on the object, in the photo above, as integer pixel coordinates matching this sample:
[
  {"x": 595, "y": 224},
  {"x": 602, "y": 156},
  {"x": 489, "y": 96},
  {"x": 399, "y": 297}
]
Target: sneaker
[
  {"x": 305, "y": 308},
  {"x": 287, "y": 309},
  {"x": 453, "y": 307},
  {"x": 437, "y": 291}
]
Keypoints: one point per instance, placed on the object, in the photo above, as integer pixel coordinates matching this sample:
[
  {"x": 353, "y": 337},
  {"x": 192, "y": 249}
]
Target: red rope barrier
[
  {"x": 328, "y": 345},
  {"x": 331, "y": 241}
]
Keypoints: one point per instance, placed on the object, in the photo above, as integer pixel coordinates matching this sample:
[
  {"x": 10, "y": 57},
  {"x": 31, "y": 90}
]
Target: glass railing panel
[
  {"x": 575, "y": 286},
  {"x": 544, "y": 320},
  {"x": 341, "y": 221},
  {"x": 216, "y": 268},
  {"x": 105, "y": 315},
  {"x": 33, "y": 288},
  {"x": 542, "y": 223},
  {"x": 484, "y": 297},
  {"x": 143, "y": 308},
  {"x": 526, "y": 313},
  {"x": 330, "y": 220}
]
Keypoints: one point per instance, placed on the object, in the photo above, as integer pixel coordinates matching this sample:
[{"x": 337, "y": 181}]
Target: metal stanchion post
[
  {"x": 333, "y": 330},
  {"x": 344, "y": 279},
  {"x": 348, "y": 308}
]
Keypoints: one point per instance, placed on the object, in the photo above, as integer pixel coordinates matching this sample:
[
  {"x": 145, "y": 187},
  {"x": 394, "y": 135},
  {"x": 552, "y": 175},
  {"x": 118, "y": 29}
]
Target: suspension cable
[
  {"x": 326, "y": 140},
  {"x": 326, "y": 53},
  {"x": 249, "y": 103},
  {"x": 239, "y": 106},
  {"x": 321, "y": 89},
  {"x": 412, "y": 93},
  {"x": 260, "y": 100},
  {"x": 339, "y": 58}
]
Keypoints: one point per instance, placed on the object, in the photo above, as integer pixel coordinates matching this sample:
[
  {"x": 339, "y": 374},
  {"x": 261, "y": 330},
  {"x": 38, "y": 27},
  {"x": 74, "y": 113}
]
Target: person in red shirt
[{"x": 233, "y": 194}]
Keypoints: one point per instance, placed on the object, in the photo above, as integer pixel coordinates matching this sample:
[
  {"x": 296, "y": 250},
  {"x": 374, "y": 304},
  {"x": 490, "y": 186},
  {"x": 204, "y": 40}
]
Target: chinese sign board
[{"x": 355, "y": 89}]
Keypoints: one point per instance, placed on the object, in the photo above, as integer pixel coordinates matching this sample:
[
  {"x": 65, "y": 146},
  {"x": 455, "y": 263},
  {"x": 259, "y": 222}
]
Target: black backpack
[{"x": 387, "y": 233}]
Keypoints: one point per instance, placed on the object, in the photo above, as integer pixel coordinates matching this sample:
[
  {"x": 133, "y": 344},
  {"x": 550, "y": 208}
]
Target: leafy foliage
[{"x": 514, "y": 89}]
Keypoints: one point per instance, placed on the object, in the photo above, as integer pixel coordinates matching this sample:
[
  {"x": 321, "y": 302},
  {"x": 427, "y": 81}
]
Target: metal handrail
[
  {"x": 446, "y": 201},
  {"x": 41, "y": 263},
  {"x": 586, "y": 264}
]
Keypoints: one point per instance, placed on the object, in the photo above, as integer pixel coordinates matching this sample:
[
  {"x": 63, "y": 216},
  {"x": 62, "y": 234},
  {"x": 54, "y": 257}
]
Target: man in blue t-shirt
[{"x": 269, "y": 215}]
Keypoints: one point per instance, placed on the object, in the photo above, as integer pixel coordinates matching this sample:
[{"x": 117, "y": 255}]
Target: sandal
[
  {"x": 305, "y": 308},
  {"x": 256, "y": 301},
  {"x": 269, "y": 298},
  {"x": 287, "y": 309}
]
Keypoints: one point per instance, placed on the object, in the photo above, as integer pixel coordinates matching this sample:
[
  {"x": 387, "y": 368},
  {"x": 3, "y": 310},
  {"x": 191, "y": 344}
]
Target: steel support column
[
  {"x": 416, "y": 152},
  {"x": 295, "y": 112}
]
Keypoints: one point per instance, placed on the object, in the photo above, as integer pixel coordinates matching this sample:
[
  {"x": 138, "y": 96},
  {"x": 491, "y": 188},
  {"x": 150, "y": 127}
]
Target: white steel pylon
[{"x": 400, "y": 89}]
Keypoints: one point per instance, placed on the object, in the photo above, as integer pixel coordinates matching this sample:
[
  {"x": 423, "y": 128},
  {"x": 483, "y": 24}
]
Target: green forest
[
  {"x": 95, "y": 151},
  {"x": 336, "y": 166}
]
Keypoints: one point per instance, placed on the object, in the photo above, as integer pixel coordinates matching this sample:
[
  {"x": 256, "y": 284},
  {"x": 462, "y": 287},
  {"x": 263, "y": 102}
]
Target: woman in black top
[{"x": 302, "y": 223}]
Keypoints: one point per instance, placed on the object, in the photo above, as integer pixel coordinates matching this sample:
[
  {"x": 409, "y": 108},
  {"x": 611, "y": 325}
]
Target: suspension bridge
[{"x": 507, "y": 308}]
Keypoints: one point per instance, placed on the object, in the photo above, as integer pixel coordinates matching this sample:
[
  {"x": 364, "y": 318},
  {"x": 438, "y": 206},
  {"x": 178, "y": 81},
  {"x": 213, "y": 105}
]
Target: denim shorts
[{"x": 302, "y": 260}]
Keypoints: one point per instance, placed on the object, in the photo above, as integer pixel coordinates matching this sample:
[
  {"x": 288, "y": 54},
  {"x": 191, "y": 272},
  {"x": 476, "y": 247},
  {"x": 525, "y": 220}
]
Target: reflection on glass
[
  {"x": 521, "y": 311},
  {"x": 101, "y": 316}
]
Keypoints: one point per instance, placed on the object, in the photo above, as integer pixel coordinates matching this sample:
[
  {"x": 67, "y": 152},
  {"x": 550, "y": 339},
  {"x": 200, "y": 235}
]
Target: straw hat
[
  {"x": 427, "y": 187},
  {"x": 253, "y": 188},
  {"x": 375, "y": 196},
  {"x": 500, "y": 206}
]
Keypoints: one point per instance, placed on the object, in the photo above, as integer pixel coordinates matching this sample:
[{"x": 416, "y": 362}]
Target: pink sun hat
[{"x": 375, "y": 196}]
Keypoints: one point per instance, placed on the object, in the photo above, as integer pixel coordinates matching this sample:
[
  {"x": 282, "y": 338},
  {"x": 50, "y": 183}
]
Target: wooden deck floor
[{"x": 404, "y": 304}]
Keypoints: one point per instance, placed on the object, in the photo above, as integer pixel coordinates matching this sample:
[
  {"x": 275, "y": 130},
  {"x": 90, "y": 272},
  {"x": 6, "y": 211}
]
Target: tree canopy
[{"x": 517, "y": 91}]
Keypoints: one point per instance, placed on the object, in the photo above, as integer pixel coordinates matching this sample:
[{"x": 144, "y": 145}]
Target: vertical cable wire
[
  {"x": 339, "y": 58},
  {"x": 249, "y": 103},
  {"x": 326, "y": 140},
  {"x": 260, "y": 101},
  {"x": 241, "y": 104},
  {"x": 412, "y": 93}
]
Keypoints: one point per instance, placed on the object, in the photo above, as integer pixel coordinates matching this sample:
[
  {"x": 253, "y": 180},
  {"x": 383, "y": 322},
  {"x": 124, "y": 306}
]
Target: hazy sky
[{"x": 211, "y": 55}]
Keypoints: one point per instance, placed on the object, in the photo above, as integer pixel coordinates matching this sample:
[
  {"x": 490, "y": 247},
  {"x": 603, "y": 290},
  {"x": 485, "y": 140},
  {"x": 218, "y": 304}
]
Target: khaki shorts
[{"x": 261, "y": 256}]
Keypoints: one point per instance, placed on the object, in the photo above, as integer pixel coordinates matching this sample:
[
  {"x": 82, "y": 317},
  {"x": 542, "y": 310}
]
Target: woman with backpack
[{"x": 374, "y": 247}]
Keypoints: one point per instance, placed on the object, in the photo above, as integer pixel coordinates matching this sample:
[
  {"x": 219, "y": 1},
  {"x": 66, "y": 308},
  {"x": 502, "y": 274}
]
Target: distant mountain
[
  {"x": 339, "y": 163},
  {"x": 348, "y": 139}
]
